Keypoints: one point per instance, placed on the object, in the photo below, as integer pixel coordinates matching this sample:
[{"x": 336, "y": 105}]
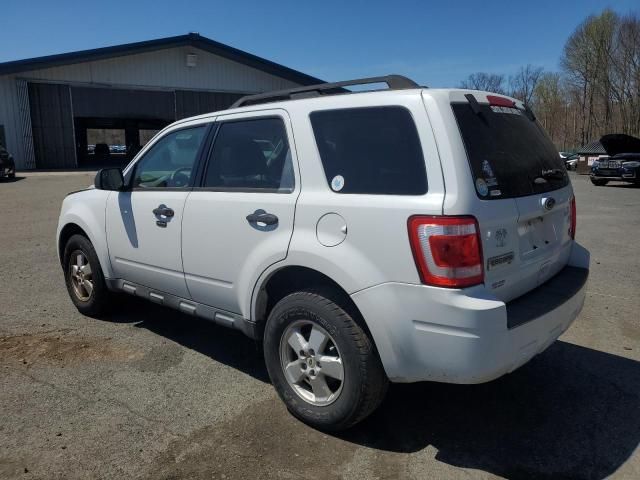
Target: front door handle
[
  {"x": 163, "y": 211},
  {"x": 260, "y": 216}
]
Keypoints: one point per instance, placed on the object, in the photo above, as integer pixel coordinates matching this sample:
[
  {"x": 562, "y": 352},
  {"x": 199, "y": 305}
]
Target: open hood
[{"x": 620, "y": 143}]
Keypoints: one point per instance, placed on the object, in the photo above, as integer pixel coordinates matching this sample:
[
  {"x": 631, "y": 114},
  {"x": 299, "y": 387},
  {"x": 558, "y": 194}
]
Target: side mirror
[{"x": 110, "y": 179}]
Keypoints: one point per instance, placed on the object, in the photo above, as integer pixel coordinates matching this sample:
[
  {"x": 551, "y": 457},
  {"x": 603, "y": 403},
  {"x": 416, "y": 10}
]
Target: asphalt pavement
[{"x": 151, "y": 393}]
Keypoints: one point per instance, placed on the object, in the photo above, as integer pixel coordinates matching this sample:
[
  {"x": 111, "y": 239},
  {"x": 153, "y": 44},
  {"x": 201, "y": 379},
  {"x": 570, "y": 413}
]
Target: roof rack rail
[{"x": 394, "y": 82}]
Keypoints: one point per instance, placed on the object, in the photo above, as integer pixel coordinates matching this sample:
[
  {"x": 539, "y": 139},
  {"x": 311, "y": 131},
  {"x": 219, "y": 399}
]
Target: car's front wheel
[
  {"x": 598, "y": 182},
  {"x": 84, "y": 277},
  {"x": 322, "y": 363}
]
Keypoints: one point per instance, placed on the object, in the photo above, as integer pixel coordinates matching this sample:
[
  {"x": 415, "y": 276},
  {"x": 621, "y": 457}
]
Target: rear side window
[
  {"x": 372, "y": 150},
  {"x": 510, "y": 155},
  {"x": 251, "y": 154}
]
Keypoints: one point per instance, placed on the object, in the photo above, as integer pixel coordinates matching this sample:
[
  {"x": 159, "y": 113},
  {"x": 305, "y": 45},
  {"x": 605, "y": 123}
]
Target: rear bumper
[
  {"x": 619, "y": 175},
  {"x": 619, "y": 179},
  {"x": 469, "y": 336}
]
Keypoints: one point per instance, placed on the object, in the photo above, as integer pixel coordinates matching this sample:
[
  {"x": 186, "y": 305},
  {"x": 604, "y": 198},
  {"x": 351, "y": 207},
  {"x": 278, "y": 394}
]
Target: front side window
[
  {"x": 251, "y": 154},
  {"x": 170, "y": 161},
  {"x": 372, "y": 150}
]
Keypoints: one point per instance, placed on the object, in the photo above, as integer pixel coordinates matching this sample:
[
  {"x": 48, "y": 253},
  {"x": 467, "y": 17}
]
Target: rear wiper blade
[{"x": 552, "y": 173}]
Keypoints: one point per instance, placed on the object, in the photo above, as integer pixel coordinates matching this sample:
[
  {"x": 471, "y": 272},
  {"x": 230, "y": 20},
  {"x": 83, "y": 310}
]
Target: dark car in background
[
  {"x": 7, "y": 165},
  {"x": 623, "y": 163},
  {"x": 570, "y": 160},
  {"x": 624, "y": 167}
]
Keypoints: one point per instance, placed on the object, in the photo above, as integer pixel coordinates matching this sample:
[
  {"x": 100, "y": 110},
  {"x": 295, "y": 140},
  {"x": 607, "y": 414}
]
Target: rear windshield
[
  {"x": 373, "y": 150},
  {"x": 510, "y": 155}
]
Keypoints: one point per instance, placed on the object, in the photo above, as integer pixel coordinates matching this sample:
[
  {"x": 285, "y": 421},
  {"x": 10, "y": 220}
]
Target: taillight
[
  {"x": 572, "y": 228},
  {"x": 447, "y": 250}
]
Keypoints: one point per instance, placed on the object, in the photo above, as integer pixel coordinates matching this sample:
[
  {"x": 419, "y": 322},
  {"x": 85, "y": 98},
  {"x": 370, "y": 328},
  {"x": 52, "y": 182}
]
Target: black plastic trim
[
  {"x": 475, "y": 106},
  {"x": 547, "y": 297},
  {"x": 241, "y": 190},
  {"x": 394, "y": 82}
]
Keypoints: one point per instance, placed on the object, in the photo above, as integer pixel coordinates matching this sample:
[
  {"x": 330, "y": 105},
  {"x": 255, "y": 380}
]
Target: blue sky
[{"x": 436, "y": 45}]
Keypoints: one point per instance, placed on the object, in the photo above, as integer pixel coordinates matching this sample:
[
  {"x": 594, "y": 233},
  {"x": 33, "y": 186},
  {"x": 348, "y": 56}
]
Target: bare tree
[
  {"x": 585, "y": 62},
  {"x": 624, "y": 73},
  {"x": 598, "y": 89},
  {"x": 524, "y": 82},
  {"x": 550, "y": 102},
  {"x": 490, "y": 82}
]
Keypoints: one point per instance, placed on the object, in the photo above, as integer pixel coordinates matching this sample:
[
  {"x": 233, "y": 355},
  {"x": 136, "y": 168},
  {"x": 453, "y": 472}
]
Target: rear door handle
[
  {"x": 163, "y": 211},
  {"x": 260, "y": 216}
]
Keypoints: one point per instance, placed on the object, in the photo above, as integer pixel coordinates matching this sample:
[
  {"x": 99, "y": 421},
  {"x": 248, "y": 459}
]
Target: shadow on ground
[
  {"x": 11, "y": 180},
  {"x": 572, "y": 412},
  {"x": 621, "y": 185},
  {"x": 223, "y": 345}
]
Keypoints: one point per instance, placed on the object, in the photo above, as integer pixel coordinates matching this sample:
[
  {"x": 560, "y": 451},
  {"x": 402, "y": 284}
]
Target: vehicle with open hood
[{"x": 622, "y": 164}]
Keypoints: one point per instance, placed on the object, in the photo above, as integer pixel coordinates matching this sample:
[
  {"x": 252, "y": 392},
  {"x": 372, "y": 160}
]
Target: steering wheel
[{"x": 179, "y": 179}]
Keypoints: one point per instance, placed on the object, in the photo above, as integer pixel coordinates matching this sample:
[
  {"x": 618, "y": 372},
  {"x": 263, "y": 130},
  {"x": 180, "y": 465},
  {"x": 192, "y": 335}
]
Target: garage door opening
[
  {"x": 105, "y": 145},
  {"x": 112, "y": 142}
]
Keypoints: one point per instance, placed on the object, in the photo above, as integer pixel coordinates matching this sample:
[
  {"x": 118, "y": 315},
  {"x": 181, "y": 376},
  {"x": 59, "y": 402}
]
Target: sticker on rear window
[
  {"x": 337, "y": 183},
  {"x": 489, "y": 176},
  {"x": 511, "y": 110},
  {"x": 482, "y": 187}
]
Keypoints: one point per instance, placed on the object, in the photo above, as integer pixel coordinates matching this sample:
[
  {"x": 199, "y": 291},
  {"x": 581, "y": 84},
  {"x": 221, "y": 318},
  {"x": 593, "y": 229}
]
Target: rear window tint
[
  {"x": 373, "y": 150},
  {"x": 510, "y": 155}
]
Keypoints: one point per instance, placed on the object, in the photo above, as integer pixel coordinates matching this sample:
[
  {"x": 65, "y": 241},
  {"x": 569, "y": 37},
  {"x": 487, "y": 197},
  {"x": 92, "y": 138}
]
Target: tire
[
  {"x": 599, "y": 182},
  {"x": 364, "y": 382},
  {"x": 92, "y": 301}
]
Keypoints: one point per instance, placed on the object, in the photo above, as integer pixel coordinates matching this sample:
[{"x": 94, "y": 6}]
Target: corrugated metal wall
[
  {"x": 52, "y": 125},
  {"x": 162, "y": 69},
  {"x": 28, "y": 155},
  {"x": 190, "y": 103},
  {"x": 121, "y": 103},
  {"x": 167, "y": 69},
  {"x": 10, "y": 118}
]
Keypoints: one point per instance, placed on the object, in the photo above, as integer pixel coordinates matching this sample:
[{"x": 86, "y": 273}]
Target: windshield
[{"x": 510, "y": 155}]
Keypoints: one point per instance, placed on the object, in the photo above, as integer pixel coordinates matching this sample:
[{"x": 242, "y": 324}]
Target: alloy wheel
[
  {"x": 81, "y": 275},
  {"x": 311, "y": 363}
]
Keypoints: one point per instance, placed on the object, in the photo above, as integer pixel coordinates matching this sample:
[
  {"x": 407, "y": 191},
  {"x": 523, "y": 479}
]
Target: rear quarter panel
[{"x": 376, "y": 248}]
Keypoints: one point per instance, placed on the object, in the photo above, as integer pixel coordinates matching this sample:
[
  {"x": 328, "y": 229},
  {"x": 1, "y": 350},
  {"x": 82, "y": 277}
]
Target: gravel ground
[{"x": 150, "y": 393}]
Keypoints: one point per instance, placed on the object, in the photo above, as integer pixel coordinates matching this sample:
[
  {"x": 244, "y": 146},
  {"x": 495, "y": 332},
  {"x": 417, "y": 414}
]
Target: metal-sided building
[
  {"x": 50, "y": 105},
  {"x": 587, "y": 154}
]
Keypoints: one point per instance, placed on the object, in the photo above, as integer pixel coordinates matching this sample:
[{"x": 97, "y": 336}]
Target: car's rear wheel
[
  {"x": 84, "y": 277},
  {"x": 322, "y": 363},
  {"x": 599, "y": 182}
]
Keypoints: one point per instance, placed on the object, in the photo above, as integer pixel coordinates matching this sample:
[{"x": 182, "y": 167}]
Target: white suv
[{"x": 401, "y": 235}]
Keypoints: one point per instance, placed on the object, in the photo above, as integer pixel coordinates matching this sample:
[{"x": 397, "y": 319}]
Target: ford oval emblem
[{"x": 549, "y": 203}]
